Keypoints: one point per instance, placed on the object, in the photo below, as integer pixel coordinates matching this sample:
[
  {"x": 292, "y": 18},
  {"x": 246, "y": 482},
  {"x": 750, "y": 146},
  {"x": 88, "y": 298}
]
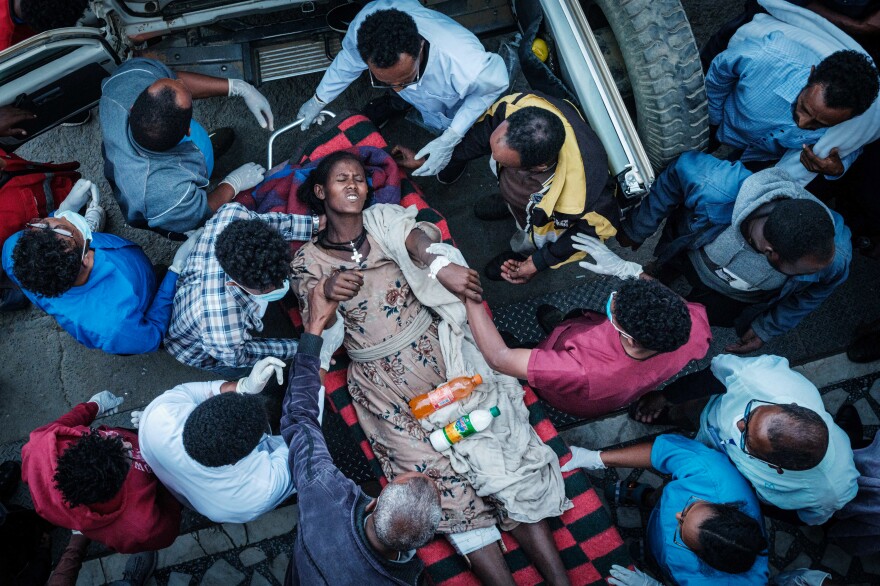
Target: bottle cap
[
  {"x": 478, "y": 380},
  {"x": 494, "y": 411}
]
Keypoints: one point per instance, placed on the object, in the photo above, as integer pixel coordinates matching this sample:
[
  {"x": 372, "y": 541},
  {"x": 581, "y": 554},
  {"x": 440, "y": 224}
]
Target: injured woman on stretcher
[{"x": 406, "y": 333}]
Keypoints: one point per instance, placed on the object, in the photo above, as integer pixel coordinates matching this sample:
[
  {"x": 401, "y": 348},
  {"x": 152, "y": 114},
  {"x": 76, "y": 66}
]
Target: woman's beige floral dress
[{"x": 381, "y": 389}]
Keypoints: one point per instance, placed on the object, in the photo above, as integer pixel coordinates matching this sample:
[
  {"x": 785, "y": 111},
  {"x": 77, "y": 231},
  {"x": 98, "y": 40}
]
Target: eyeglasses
[
  {"x": 399, "y": 86},
  {"x": 611, "y": 317},
  {"x": 744, "y": 438},
  {"x": 676, "y": 537},
  {"x": 39, "y": 224}
]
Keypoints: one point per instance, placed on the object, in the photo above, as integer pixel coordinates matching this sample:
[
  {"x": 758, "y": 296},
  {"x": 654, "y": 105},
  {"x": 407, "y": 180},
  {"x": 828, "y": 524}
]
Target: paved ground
[{"x": 44, "y": 372}]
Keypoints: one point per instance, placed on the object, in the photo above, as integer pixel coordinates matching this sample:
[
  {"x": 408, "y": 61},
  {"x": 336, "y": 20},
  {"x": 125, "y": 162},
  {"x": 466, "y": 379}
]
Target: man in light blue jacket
[{"x": 428, "y": 60}]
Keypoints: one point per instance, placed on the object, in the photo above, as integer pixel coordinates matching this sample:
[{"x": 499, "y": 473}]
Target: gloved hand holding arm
[
  {"x": 439, "y": 153},
  {"x": 310, "y": 112},
  {"x": 107, "y": 402},
  {"x": 621, "y": 576},
  {"x": 607, "y": 263},
  {"x": 584, "y": 458},
  {"x": 263, "y": 370},
  {"x": 184, "y": 251},
  {"x": 255, "y": 101},
  {"x": 245, "y": 177},
  {"x": 77, "y": 197}
]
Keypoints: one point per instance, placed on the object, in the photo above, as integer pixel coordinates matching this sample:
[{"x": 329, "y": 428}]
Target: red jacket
[
  {"x": 11, "y": 33},
  {"x": 30, "y": 190},
  {"x": 143, "y": 516}
]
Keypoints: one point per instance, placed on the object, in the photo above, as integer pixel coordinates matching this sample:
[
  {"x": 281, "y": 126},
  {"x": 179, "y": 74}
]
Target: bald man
[{"x": 156, "y": 157}]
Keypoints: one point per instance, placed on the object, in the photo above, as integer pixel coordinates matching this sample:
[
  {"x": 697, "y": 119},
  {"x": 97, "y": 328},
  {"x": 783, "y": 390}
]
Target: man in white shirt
[
  {"x": 428, "y": 60},
  {"x": 208, "y": 444},
  {"x": 773, "y": 426}
]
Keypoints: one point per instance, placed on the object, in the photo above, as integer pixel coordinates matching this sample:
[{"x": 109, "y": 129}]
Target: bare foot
[{"x": 650, "y": 407}]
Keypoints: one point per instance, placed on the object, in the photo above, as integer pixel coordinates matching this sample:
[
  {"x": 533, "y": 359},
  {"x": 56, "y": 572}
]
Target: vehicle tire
[{"x": 663, "y": 66}]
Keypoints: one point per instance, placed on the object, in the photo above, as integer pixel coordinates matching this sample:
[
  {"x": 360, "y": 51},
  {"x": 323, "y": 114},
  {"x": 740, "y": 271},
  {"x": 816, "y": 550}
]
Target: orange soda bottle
[{"x": 455, "y": 390}]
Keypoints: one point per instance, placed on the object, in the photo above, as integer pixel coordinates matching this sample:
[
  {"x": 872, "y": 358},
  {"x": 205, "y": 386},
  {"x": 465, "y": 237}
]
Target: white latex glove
[
  {"x": 332, "y": 337},
  {"x": 247, "y": 176},
  {"x": 310, "y": 112},
  {"x": 584, "y": 458},
  {"x": 184, "y": 251},
  {"x": 255, "y": 101},
  {"x": 439, "y": 153},
  {"x": 260, "y": 374},
  {"x": 607, "y": 263},
  {"x": 78, "y": 196},
  {"x": 107, "y": 402},
  {"x": 136, "y": 419},
  {"x": 621, "y": 576}
]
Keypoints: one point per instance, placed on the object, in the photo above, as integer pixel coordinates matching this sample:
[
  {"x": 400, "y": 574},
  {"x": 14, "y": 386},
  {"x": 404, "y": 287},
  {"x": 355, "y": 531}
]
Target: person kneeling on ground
[
  {"x": 99, "y": 287},
  {"x": 96, "y": 481},
  {"x": 553, "y": 177},
  {"x": 377, "y": 538},
  {"x": 240, "y": 264},
  {"x": 593, "y": 364},
  {"x": 207, "y": 443},
  {"x": 705, "y": 525}
]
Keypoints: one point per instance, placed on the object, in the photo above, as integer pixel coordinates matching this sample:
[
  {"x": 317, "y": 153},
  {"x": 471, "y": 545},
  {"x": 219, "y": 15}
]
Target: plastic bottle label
[
  {"x": 458, "y": 429},
  {"x": 441, "y": 397}
]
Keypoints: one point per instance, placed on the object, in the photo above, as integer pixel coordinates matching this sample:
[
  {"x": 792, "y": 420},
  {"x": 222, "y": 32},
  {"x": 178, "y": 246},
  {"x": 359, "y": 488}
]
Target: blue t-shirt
[
  {"x": 118, "y": 310},
  {"x": 706, "y": 474}
]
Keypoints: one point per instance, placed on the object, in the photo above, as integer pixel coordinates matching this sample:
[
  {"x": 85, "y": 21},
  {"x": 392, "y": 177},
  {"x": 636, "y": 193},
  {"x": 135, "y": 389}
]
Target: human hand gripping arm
[
  {"x": 255, "y": 101},
  {"x": 607, "y": 263},
  {"x": 256, "y": 381},
  {"x": 636, "y": 456},
  {"x": 510, "y": 361},
  {"x": 107, "y": 403},
  {"x": 438, "y": 152},
  {"x": 458, "y": 280}
]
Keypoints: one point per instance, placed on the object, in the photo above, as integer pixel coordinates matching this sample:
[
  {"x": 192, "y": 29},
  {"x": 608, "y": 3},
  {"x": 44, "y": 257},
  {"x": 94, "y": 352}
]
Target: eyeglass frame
[
  {"x": 610, "y": 317},
  {"x": 744, "y": 436},
  {"x": 677, "y": 540},
  {"x": 387, "y": 86},
  {"x": 39, "y": 224}
]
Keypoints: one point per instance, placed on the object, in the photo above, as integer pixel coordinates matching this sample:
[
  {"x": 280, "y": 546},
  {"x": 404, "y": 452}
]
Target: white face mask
[
  {"x": 273, "y": 295},
  {"x": 78, "y": 222}
]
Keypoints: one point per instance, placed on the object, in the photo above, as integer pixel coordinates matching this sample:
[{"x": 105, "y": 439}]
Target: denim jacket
[
  {"x": 329, "y": 546},
  {"x": 697, "y": 193}
]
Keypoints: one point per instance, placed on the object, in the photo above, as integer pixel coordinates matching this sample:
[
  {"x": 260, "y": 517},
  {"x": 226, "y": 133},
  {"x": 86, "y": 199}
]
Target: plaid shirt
[{"x": 211, "y": 320}]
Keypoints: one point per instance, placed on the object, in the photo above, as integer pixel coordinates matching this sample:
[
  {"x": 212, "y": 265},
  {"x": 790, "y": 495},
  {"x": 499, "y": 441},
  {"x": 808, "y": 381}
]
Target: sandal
[
  {"x": 623, "y": 493},
  {"x": 662, "y": 417}
]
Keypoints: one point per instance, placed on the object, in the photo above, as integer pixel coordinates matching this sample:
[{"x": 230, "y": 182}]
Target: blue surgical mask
[
  {"x": 273, "y": 295},
  {"x": 78, "y": 222}
]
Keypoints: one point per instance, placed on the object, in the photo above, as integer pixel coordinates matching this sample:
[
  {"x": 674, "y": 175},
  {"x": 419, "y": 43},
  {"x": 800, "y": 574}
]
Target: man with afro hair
[
  {"x": 240, "y": 264},
  {"x": 425, "y": 60},
  {"x": 96, "y": 481},
  {"x": 209, "y": 444},
  {"x": 20, "y": 19},
  {"x": 594, "y": 363}
]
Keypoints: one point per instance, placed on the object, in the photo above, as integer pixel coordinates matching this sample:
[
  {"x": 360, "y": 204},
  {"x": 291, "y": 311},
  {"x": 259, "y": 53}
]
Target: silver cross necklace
[{"x": 352, "y": 245}]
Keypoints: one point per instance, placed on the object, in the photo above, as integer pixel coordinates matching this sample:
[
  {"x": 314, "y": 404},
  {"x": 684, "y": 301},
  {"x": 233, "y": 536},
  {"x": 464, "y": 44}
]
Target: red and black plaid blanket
[{"x": 587, "y": 541}]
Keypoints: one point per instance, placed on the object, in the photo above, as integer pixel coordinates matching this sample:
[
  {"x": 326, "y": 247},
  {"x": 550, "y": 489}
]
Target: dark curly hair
[
  {"x": 44, "y": 15},
  {"x": 798, "y": 437},
  {"x": 384, "y": 35},
  {"x": 224, "y": 429},
  {"x": 730, "y": 540},
  {"x": 92, "y": 469},
  {"x": 253, "y": 254},
  {"x": 46, "y": 263},
  {"x": 536, "y": 134},
  {"x": 157, "y": 122},
  {"x": 320, "y": 175},
  {"x": 798, "y": 228},
  {"x": 655, "y": 316},
  {"x": 850, "y": 80}
]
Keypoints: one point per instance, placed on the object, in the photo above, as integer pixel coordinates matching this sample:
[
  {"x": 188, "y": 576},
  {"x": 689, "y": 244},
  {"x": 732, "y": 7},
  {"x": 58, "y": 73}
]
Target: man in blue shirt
[
  {"x": 342, "y": 532},
  {"x": 773, "y": 94},
  {"x": 156, "y": 157},
  {"x": 706, "y": 526},
  {"x": 100, "y": 288}
]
